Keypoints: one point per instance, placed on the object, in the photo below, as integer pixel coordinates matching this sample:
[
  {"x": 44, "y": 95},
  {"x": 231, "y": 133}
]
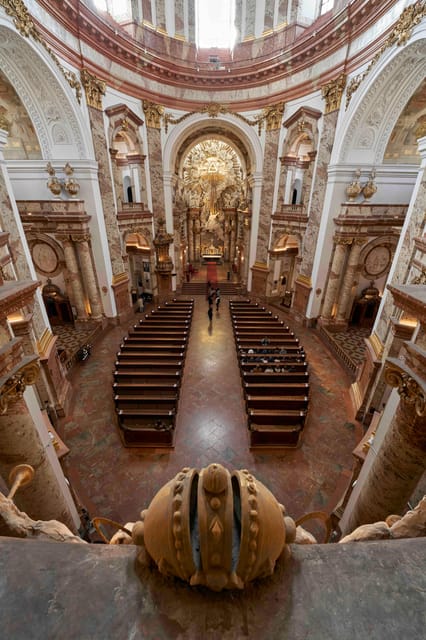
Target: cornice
[{"x": 320, "y": 40}]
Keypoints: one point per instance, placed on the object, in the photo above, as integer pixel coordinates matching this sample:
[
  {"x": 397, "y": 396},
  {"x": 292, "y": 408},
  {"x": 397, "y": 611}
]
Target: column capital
[
  {"x": 85, "y": 237},
  {"x": 332, "y": 93},
  {"x": 411, "y": 389},
  {"x": 94, "y": 89},
  {"x": 343, "y": 241},
  {"x": 13, "y": 387}
]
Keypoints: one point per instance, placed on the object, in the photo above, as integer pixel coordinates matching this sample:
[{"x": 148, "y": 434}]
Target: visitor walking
[{"x": 217, "y": 298}]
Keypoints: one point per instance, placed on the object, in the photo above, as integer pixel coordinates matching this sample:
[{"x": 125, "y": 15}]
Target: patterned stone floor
[
  {"x": 352, "y": 343},
  {"x": 116, "y": 482}
]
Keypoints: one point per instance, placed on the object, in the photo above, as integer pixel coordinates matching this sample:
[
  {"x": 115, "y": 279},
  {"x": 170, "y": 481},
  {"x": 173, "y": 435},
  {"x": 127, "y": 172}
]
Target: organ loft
[{"x": 212, "y": 319}]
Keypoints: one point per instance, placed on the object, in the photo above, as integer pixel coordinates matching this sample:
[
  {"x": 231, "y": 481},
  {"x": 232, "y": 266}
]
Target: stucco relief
[
  {"x": 42, "y": 96},
  {"x": 366, "y": 139},
  {"x": 390, "y": 87}
]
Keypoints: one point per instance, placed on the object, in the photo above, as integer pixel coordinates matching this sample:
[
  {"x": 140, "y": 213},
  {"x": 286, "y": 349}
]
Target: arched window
[{"x": 215, "y": 24}]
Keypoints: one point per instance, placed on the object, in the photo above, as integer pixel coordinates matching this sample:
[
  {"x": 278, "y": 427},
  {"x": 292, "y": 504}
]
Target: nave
[{"x": 116, "y": 482}]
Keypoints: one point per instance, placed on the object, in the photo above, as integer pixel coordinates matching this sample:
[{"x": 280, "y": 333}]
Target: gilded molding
[
  {"x": 120, "y": 278},
  {"x": 4, "y": 123},
  {"x": 400, "y": 35},
  {"x": 26, "y": 27},
  {"x": 13, "y": 388},
  {"x": 154, "y": 113},
  {"x": 305, "y": 280},
  {"x": 408, "y": 388},
  {"x": 376, "y": 344},
  {"x": 94, "y": 89},
  {"x": 332, "y": 93},
  {"x": 44, "y": 342},
  {"x": 272, "y": 115},
  {"x": 420, "y": 132}
]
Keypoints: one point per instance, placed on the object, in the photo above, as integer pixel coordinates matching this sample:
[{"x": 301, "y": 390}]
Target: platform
[{"x": 350, "y": 591}]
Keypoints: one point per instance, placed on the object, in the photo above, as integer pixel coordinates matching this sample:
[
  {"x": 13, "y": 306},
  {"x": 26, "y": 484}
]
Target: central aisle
[{"x": 211, "y": 419}]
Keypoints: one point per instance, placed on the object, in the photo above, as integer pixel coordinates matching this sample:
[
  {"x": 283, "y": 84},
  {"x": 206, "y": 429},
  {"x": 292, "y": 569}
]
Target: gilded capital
[
  {"x": 408, "y": 388},
  {"x": 332, "y": 93},
  {"x": 273, "y": 116},
  {"x": 94, "y": 89},
  {"x": 14, "y": 386},
  {"x": 154, "y": 113}
]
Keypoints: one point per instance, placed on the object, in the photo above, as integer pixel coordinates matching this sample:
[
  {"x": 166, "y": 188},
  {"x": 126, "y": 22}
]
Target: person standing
[
  {"x": 210, "y": 313},
  {"x": 217, "y": 298}
]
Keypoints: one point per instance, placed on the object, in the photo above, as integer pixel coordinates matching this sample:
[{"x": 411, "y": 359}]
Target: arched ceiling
[
  {"x": 214, "y": 132},
  {"x": 22, "y": 142},
  {"x": 402, "y": 147}
]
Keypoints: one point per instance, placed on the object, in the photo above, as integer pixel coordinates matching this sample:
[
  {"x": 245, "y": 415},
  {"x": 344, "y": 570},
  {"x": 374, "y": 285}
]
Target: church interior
[{"x": 212, "y": 265}]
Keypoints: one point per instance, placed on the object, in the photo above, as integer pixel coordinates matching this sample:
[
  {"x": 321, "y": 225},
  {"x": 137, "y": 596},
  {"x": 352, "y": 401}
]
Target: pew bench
[
  {"x": 140, "y": 377},
  {"x": 276, "y": 388},
  {"x": 271, "y": 428},
  {"x": 140, "y": 389},
  {"x": 146, "y": 402},
  {"x": 282, "y": 402},
  {"x": 146, "y": 428},
  {"x": 274, "y": 378}
]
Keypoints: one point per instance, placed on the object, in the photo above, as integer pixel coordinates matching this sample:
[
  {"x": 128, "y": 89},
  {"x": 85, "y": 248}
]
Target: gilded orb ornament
[{"x": 215, "y": 528}]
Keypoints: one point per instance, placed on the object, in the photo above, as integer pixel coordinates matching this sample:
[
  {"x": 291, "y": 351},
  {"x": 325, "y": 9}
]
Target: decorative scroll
[
  {"x": 26, "y": 27},
  {"x": 408, "y": 388},
  {"x": 14, "y": 386},
  {"x": 401, "y": 33},
  {"x": 332, "y": 93},
  {"x": 272, "y": 115},
  {"x": 94, "y": 89}
]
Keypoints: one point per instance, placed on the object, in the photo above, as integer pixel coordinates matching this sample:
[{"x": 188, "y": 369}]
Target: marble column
[
  {"x": 401, "y": 459},
  {"x": 348, "y": 280},
  {"x": 21, "y": 443},
  {"x": 339, "y": 259},
  {"x": 74, "y": 275},
  {"x": 94, "y": 90},
  {"x": 233, "y": 238},
  {"x": 190, "y": 231},
  {"x": 89, "y": 278},
  {"x": 332, "y": 93},
  {"x": 273, "y": 116}
]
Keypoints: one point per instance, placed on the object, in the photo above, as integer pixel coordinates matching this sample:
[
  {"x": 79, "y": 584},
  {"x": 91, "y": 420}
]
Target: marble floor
[{"x": 116, "y": 482}]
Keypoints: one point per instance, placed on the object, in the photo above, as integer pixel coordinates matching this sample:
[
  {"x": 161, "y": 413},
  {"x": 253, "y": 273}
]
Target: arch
[
  {"x": 377, "y": 104},
  {"x": 49, "y": 100},
  {"x": 194, "y": 128}
]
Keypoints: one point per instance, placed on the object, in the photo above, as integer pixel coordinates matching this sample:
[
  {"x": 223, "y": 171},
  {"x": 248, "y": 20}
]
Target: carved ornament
[
  {"x": 154, "y": 113},
  {"x": 272, "y": 115},
  {"x": 94, "y": 89},
  {"x": 18, "y": 379},
  {"x": 191, "y": 532},
  {"x": 26, "y": 27},
  {"x": 4, "y": 123},
  {"x": 332, "y": 93},
  {"x": 408, "y": 388},
  {"x": 401, "y": 33}
]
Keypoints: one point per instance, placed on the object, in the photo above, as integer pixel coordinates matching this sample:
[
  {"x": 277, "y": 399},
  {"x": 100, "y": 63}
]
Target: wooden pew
[
  {"x": 130, "y": 376},
  {"x": 276, "y": 429},
  {"x": 146, "y": 402},
  {"x": 276, "y": 388},
  {"x": 136, "y": 389},
  {"x": 282, "y": 342},
  {"x": 147, "y": 428},
  {"x": 271, "y": 402},
  {"x": 290, "y": 367},
  {"x": 148, "y": 344},
  {"x": 151, "y": 362},
  {"x": 160, "y": 332},
  {"x": 271, "y": 378},
  {"x": 168, "y": 324},
  {"x": 144, "y": 357}
]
